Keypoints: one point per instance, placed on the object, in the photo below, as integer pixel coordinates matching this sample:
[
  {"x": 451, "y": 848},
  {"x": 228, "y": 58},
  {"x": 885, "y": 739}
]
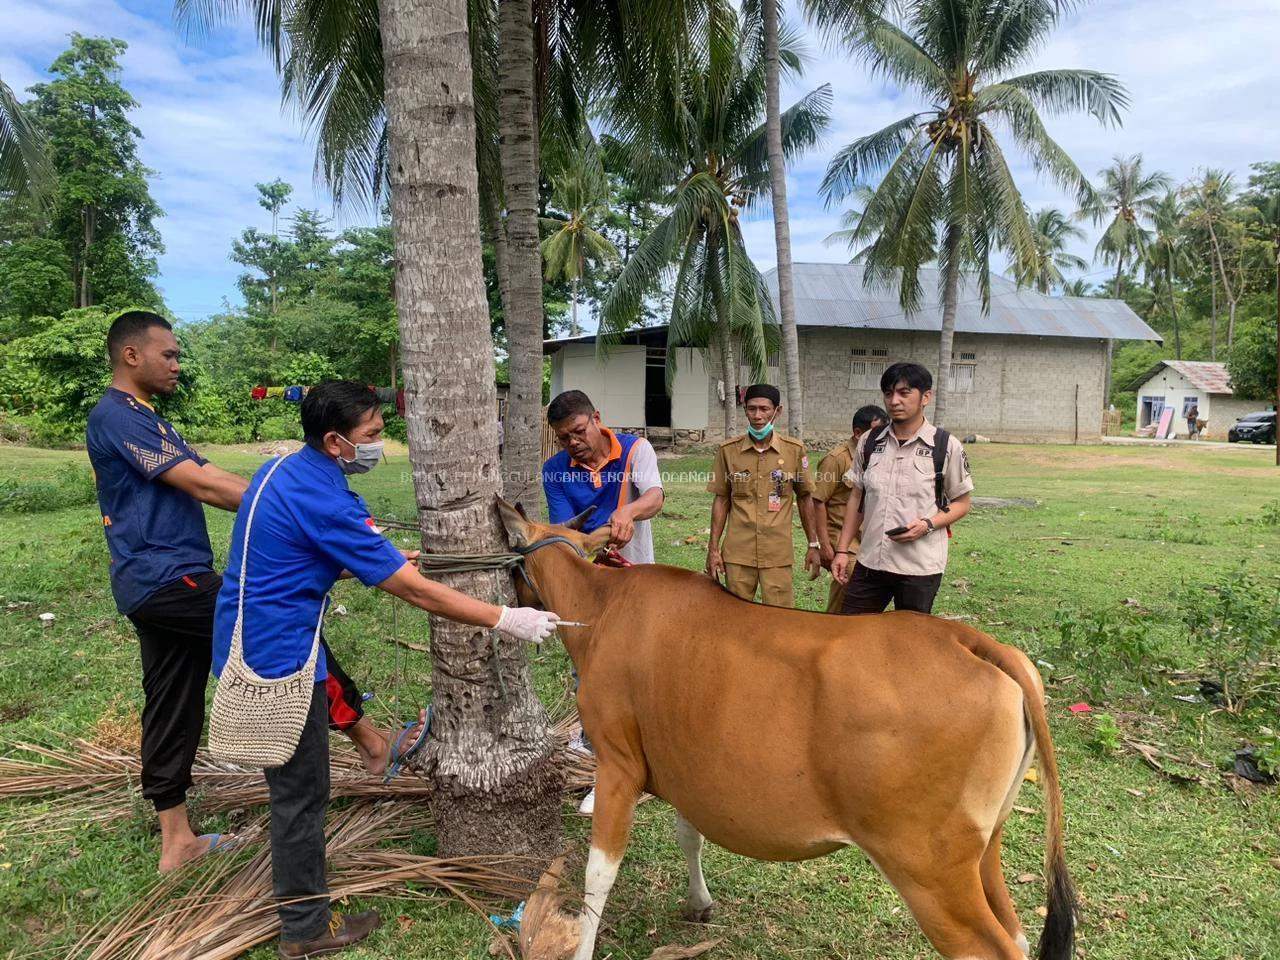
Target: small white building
[
  {"x": 1183, "y": 384},
  {"x": 1031, "y": 368}
]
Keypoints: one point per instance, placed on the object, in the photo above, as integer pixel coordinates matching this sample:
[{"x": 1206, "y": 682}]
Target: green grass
[{"x": 1178, "y": 872}]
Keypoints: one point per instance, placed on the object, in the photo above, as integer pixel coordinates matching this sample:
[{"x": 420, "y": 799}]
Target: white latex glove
[{"x": 526, "y": 623}]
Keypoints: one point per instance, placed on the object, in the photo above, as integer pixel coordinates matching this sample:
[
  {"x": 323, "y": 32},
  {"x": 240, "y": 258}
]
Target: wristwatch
[
  {"x": 929, "y": 523},
  {"x": 814, "y": 545}
]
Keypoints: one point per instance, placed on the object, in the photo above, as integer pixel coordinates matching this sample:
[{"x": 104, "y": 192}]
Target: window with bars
[
  {"x": 962, "y": 377},
  {"x": 865, "y": 373}
]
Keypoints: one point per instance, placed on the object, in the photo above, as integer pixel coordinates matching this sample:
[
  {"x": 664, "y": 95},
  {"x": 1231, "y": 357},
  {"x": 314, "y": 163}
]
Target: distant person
[
  {"x": 831, "y": 495},
  {"x": 614, "y": 474},
  {"x": 911, "y": 482},
  {"x": 310, "y": 530},
  {"x": 757, "y": 478},
  {"x": 1193, "y": 416}
]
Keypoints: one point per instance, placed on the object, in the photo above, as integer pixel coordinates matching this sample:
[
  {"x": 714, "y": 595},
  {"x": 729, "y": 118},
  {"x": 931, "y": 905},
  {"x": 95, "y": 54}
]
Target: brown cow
[{"x": 781, "y": 734}]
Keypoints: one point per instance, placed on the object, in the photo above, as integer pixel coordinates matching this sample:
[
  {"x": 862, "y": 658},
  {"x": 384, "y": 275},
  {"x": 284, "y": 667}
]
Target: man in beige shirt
[
  {"x": 831, "y": 495},
  {"x": 902, "y": 514}
]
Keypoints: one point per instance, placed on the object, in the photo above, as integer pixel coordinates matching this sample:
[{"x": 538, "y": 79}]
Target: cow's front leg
[
  {"x": 616, "y": 796},
  {"x": 699, "y": 906}
]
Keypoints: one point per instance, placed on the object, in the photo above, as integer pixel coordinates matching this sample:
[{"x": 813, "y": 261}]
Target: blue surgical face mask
[
  {"x": 367, "y": 457},
  {"x": 760, "y": 434}
]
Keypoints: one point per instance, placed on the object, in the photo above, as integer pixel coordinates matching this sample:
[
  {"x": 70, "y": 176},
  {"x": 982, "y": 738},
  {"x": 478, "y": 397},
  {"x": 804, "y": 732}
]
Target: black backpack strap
[
  {"x": 941, "y": 441},
  {"x": 868, "y": 448}
]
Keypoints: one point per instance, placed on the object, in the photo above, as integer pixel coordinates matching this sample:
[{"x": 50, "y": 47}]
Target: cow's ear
[
  {"x": 576, "y": 522},
  {"x": 596, "y": 541},
  {"x": 514, "y": 522},
  {"x": 520, "y": 510}
]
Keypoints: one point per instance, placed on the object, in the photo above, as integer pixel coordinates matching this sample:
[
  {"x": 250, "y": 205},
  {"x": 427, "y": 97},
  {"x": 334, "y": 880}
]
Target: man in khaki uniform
[
  {"x": 895, "y": 503},
  {"x": 756, "y": 478},
  {"x": 831, "y": 495}
]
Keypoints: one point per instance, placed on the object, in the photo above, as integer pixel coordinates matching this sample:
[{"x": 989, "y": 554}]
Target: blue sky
[{"x": 1202, "y": 76}]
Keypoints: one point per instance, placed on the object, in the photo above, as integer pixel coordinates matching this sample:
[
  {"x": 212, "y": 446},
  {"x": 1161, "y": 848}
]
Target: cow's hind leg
[
  {"x": 699, "y": 906},
  {"x": 953, "y": 912},
  {"x": 616, "y": 796},
  {"x": 997, "y": 894}
]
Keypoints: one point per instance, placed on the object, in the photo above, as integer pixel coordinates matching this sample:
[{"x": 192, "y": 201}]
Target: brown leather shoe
[{"x": 343, "y": 932}]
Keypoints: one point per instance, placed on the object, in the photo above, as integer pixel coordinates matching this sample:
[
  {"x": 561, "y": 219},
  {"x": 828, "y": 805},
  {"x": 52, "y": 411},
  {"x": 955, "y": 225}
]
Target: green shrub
[
  {"x": 70, "y": 485},
  {"x": 1101, "y": 645},
  {"x": 1235, "y": 623},
  {"x": 281, "y": 427},
  {"x": 1271, "y": 514},
  {"x": 1106, "y": 734}
]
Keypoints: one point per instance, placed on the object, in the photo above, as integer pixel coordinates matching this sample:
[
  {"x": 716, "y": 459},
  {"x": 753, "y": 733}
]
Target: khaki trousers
[
  {"x": 775, "y": 584},
  {"x": 835, "y": 597}
]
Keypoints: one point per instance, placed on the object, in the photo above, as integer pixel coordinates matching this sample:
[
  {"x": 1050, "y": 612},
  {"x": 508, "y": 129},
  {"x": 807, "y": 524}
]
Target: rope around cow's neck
[{"x": 455, "y": 562}]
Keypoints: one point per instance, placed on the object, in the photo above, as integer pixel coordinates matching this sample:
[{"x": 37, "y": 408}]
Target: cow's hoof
[{"x": 696, "y": 914}]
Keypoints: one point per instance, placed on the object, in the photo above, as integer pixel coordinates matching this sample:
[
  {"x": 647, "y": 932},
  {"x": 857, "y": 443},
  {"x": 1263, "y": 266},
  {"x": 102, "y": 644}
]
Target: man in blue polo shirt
[
  {"x": 615, "y": 474},
  {"x": 150, "y": 489},
  {"x": 309, "y": 530}
]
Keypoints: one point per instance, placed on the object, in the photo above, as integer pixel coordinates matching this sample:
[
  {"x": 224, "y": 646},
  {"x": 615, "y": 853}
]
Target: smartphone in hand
[{"x": 896, "y": 531}]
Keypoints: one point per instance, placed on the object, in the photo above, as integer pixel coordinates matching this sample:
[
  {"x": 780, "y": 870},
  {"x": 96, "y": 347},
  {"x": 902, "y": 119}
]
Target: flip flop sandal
[
  {"x": 401, "y": 756},
  {"x": 221, "y": 842}
]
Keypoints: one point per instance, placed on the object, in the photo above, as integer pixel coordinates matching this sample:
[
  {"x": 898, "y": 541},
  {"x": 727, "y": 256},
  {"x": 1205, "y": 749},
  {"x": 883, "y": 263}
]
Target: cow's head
[{"x": 521, "y": 531}]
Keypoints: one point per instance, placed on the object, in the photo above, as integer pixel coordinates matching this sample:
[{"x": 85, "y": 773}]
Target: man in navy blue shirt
[
  {"x": 309, "y": 530},
  {"x": 151, "y": 485}
]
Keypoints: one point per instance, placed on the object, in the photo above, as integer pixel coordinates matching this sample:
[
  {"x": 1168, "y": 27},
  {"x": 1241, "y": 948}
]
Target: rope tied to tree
[{"x": 454, "y": 562}]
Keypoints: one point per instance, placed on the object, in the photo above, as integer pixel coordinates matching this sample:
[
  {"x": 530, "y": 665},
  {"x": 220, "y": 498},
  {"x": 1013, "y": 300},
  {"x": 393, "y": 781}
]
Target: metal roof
[
  {"x": 833, "y": 295},
  {"x": 1203, "y": 375}
]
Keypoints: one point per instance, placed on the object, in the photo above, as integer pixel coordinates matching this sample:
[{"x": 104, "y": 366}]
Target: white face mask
[{"x": 367, "y": 457}]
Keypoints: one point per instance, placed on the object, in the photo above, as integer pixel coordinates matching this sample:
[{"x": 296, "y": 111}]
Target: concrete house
[
  {"x": 1032, "y": 369},
  {"x": 1183, "y": 384}
]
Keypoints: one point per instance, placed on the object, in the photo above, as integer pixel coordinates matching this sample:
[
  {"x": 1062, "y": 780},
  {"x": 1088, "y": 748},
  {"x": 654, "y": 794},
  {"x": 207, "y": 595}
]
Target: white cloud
[{"x": 1201, "y": 76}]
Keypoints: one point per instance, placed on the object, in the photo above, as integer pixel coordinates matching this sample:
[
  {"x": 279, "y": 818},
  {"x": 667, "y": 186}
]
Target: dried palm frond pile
[
  {"x": 220, "y": 906},
  {"x": 86, "y": 782}
]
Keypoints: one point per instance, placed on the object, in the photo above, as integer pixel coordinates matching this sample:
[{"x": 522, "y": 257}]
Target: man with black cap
[{"x": 756, "y": 478}]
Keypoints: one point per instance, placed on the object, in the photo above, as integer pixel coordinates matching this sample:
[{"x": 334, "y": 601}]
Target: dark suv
[{"x": 1258, "y": 427}]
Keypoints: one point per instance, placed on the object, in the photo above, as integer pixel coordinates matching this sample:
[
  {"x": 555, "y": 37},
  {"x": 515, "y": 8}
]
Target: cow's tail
[{"x": 1057, "y": 941}]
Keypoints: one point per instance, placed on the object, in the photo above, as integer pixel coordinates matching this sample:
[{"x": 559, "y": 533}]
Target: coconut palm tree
[
  {"x": 770, "y": 17},
  {"x": 1053, "y": 231},
  {"x": 1167, "y": 257},
  {"x": 704, "y": 139},
  {"x": 581, "y": 190},
  {"x": 490, "y": 756},
  {"x": 946, "y": 191},
  {"x": 1210, "y": 207},
  {"x": 1127, "y": 198},
  {"x": 24, "y": 165},
  {"x": 1079, "y": 287}
]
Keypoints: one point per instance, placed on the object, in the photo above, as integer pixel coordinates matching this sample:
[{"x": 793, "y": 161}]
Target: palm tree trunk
[
  {"x": 1173, "y": 309},
  {"x": 724, "y": 337},
  {"x": 498, "y": 237},
  {"x": 574, "y": 327},
  {"x": 781, "y": 223},
  {"x": 950, "y": 296},
  {"x": 1213, "y": 315},
  {"x": 517, "y": 145},
  {"x": 85, "y": 294},
  {"x": 489, "y": 758}
]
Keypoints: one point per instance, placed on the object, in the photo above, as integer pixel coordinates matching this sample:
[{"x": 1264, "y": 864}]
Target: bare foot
[
  {"x": 193, "y": 849},
  {"x": 375, "y": 750}
]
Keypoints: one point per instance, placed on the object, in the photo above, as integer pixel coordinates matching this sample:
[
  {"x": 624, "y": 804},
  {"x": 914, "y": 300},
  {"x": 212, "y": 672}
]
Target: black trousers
[
  {"x": 870, "y": 591},
  {"x": 299, "y": 793},
  {"x": 175, "y": 630}
]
